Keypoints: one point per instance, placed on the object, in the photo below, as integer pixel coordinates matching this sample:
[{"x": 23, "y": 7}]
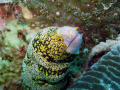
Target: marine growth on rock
[
  {"x": 97, "y": 20},
  {"x": 103, "y": 75}
]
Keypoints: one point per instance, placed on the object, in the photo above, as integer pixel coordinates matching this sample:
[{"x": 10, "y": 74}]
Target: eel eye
[{"x": 60, "y": 39}]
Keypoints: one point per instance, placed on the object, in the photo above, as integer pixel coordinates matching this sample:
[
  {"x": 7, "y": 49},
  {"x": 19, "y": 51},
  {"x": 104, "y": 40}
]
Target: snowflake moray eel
[{"x": 48, "y": 58}]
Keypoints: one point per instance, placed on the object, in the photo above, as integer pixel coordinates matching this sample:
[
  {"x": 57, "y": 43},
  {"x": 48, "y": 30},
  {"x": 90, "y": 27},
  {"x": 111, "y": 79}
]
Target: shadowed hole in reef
[{"x": 95, "y": 59}]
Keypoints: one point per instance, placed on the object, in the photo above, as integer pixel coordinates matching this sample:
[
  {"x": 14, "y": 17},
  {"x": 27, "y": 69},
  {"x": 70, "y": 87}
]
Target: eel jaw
[{"x": 75, "y": 44}]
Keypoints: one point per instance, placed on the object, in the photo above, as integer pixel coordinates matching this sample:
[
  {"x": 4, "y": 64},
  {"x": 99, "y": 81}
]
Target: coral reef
[
  {"x": 12, "y": 50},
  {"x": 10, "y": 75},
  {"x": 13, "y": 45},
  {"x": 101, "y": 49},
  {"x": 103, "y": 75},
  {"x": 97, "y": 20}
]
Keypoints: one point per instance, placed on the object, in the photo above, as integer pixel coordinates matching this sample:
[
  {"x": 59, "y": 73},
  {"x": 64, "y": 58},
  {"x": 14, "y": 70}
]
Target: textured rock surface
[
  {"x": 103, "y": 75},
  {"x": 97, "y": 20},
  {"x": 101, "y": 49}
]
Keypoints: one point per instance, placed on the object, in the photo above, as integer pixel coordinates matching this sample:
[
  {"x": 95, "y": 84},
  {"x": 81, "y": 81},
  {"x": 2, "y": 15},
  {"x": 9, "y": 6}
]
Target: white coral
[{"x": 104, "y": 46}]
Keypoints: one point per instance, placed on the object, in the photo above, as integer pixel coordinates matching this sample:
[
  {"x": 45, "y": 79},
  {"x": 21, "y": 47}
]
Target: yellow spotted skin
[{"x": 46, "y": 64}]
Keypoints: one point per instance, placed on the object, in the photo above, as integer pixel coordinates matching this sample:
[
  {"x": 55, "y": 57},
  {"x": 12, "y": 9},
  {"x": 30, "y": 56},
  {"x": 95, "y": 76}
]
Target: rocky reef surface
[{"x": 103, "y": 75}]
